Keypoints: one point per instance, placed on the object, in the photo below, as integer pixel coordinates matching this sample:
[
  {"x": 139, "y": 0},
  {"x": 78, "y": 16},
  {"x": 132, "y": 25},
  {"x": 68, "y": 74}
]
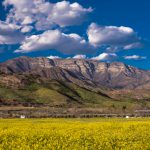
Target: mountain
[
  {"x": 112, "y": 75},
  {"x": 71, "y": 83}
]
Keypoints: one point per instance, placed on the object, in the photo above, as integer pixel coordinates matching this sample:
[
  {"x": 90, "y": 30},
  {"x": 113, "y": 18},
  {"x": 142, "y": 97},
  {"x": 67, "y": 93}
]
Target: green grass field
[
  {"x": 75, "y": 134},
  {"x": 65, "y": 95}
]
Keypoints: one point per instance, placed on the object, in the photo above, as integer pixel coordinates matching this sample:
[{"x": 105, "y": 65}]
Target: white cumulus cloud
[
  {"x": 39, "y": 24},
  {"x": 26, "y": 29},
  {"x": 55, "y": 40},
  {"x": 10, "y": 34},
  {"x": 134, "y": 57},
  {"x": 45, "y": 14},
  {"x": 105, "y": 57},
  {"x": 53, "y": 57},
  {"x": 113, "y": 36},
  {"x": 80, "y": 57}
]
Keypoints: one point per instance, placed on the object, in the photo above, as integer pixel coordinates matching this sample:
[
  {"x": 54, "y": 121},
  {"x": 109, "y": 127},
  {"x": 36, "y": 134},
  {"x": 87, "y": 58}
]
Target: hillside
[
  {"x": 112, "y": 75},
  {"x": 73, "y": 83}
]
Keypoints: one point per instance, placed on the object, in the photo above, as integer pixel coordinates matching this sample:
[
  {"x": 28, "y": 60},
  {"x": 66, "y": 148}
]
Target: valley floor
[
  {"x": 69, "y": 112},
  {"x": 75, "y": 134}
]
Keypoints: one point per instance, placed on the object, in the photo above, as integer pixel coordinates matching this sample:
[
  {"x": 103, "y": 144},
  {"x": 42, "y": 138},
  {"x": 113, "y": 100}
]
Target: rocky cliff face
[{"x": 112, "y": 75}]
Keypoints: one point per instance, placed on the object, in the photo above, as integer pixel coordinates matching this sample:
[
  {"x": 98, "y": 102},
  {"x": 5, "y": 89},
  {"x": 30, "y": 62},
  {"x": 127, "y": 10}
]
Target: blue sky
[{"x": 105, "y": 30}]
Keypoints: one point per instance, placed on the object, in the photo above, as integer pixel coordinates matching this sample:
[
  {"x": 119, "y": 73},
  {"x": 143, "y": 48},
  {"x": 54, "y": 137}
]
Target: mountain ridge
[
  {"x": 73, "y": 83},
  {"x": 112, "y": 75}
]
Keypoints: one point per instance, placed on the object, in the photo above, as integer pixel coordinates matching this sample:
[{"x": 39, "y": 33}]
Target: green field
[
  {"x": 58, "y": 94},
  {"x": 75, "y": 134}
]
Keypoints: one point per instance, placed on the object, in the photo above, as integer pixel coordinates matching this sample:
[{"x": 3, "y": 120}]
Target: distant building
[{"x": 22, "y": 116}]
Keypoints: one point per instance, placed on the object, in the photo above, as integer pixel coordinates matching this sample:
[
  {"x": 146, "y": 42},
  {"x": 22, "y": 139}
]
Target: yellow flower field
[{"x": 75, "y": 134}]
